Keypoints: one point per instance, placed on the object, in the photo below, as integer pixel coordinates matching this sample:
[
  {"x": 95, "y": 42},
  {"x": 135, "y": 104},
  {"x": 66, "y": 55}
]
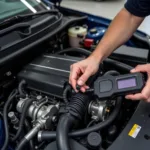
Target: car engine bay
[{"x": 40, "y": 110}]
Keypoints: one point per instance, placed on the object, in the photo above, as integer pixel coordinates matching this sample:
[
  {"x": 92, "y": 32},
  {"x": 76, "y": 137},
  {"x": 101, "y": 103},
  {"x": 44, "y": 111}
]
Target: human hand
[
  {"x": 145, "y": 93},
  {"x": 81, "y": 71}
]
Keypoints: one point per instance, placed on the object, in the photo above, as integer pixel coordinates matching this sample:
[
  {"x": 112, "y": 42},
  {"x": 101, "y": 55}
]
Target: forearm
[{"x": 119, "y": 31}]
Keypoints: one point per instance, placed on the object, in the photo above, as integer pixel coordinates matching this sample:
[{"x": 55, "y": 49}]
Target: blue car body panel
[{"x": 93, "y": 20}]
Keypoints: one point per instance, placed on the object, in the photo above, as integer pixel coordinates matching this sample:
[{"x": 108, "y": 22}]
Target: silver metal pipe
[{"x": 33, "y": 132}]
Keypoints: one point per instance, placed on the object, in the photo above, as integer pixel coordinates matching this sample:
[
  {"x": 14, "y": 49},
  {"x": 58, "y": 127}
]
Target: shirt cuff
[{"x": 135, "y": 11}]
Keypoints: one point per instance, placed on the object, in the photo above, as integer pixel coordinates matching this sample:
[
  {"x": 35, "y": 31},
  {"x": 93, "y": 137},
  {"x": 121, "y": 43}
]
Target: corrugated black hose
[
  {"x": 75, "y": 112},
  {"x": 48, "y": 135},
  {"x": 66, "y": 93}
]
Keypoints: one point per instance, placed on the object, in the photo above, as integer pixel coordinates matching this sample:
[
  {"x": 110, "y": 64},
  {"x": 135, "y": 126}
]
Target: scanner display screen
[{"x": 126, "y": 83}]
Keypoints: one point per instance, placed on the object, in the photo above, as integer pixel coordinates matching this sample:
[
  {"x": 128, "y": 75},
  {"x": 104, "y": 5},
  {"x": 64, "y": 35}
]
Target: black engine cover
[{"x": 48, "y": 73}]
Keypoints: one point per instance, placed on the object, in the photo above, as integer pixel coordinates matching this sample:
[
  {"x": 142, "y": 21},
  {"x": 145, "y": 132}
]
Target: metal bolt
[
  {"x": 57, "y": 105},
  {"x": 54, "y": 118},
  {"x": 94, "y": 118},
  {"x": 43, "y": 108},
  {"x": 11, "y": 115},
  {"x": 93, "y": 112},
  {"x": 43, "y": 117},
  {"x": 101, "y": 72},
  {"x": 8, "y": 73},
  {"x": 39, "y": 97},
  {"x": 47, "y": 117},
  {"x": 34, "y": 103}
]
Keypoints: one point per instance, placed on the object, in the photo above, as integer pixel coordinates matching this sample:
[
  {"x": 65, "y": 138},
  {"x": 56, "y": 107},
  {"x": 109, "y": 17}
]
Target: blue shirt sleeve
[{"x": 140, "y": 8}]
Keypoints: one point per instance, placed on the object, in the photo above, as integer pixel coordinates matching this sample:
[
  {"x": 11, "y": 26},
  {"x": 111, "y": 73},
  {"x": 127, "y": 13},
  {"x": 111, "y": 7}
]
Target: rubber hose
[
  {"x": 78, "y": 105},
  {"x": 48, "y": 135},
  {"x": 108, "y": 61},
  {"x": 20, "y": 88},
  {"x": 103, "y": 124},
  {"x": 90, "y": 123},
  {"x": 28, "y": 127},
  {"x": 75, "y": 111},
  {"x": 64, "y": 125},
  {"x": 118, "y": 65},
  {"x": 112, "y": 72},
  {"x": 65, "y": 93},
  {"x": 23, "y": 116},
  {"x": 5, "y": 114}
]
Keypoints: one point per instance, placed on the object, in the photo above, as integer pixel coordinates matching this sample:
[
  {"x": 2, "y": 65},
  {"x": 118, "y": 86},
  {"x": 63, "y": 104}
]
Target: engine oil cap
[{"x": 94, "y": 140}]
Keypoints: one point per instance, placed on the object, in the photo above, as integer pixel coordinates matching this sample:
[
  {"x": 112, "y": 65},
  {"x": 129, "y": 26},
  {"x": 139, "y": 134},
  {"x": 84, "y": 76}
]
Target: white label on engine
[{"x": 135, "y": 131}]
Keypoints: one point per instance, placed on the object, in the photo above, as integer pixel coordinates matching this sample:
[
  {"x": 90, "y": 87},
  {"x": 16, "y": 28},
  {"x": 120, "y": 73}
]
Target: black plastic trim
[
  {"x": 141, "y": 117},
  {"x": 62, "y": 24}
]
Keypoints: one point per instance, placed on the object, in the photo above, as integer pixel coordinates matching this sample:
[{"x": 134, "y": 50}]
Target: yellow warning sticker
[{"x": 134, "y": 131}]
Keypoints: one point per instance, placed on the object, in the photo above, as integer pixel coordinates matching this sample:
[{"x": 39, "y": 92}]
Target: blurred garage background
[{"x": 106, "y": 8}]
